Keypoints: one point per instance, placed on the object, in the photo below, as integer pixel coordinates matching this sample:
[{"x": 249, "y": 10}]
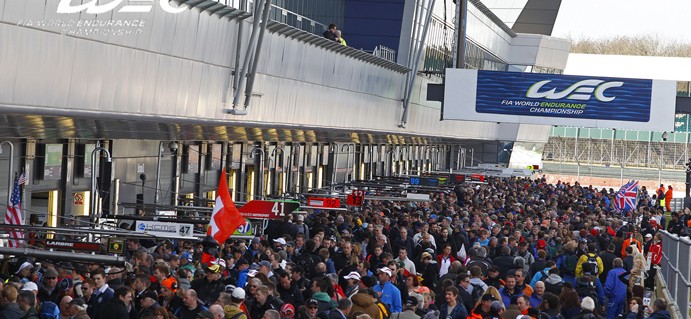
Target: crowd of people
[{"x": 508, "y": 248}]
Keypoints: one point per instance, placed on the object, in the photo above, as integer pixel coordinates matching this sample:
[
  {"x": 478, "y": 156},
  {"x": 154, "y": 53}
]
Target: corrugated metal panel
[{"x": 175, "y": 71}]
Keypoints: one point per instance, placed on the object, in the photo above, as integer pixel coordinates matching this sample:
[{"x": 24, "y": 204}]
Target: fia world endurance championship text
[{"x": 548, "y": 107}]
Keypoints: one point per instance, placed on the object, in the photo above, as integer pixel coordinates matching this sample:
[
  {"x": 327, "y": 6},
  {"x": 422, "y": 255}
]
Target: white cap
[
  {"x": 385, "y": 270},
  {"x": 30, "y": 286},
  {"x": 238, "y": 293},
  {"x": 352, "y": 275},
  {"x": 280, "y": 241},
  {"x": 24, "y": 265},
  {"x": 648, "y": 235}
]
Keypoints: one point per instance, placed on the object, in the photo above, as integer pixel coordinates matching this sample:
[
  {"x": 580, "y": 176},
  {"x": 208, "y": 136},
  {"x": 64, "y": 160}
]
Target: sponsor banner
[
  {"x": 555, "y": 99},
  {"x": 165, "y": 229}
]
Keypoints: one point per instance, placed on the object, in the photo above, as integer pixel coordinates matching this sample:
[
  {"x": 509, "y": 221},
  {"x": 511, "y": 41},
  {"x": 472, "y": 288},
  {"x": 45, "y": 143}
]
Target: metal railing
[
  {"x": 385, "y": 53},
  {"x": 675, "y": 269}
]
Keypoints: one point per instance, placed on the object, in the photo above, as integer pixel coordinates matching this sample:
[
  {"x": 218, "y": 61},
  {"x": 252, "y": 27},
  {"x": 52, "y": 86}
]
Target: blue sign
[{"x": 564, "y": 96}]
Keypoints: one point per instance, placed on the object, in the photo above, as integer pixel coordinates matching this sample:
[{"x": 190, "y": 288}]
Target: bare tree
[{"x": 641, "y": 45}]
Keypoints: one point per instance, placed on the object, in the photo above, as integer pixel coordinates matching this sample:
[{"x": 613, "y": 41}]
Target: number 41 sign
[{"x": 262, "y": 209}]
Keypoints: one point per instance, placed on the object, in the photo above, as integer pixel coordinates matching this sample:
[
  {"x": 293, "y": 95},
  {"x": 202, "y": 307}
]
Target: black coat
[{"x": 113, "y": 309}]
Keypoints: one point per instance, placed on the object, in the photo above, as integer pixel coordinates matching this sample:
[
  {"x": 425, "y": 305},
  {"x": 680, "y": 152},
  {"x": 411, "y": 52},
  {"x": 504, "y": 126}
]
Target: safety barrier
[{"x": 675, "y": 269}]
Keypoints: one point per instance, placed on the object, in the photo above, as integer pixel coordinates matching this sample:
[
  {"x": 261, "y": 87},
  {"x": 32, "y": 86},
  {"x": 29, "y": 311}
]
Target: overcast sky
[{"x": 669, "y": 20}]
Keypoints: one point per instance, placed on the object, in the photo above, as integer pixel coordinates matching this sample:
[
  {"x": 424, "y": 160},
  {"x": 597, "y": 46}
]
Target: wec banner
[{"x": 554, "y": 99}]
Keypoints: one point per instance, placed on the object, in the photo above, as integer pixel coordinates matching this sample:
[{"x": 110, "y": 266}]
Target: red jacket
[{"x": 656, "y": 252}]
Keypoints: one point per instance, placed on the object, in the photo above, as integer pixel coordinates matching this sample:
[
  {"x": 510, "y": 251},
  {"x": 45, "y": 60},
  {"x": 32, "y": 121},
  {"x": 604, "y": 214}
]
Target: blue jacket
[
  {"x": 535, "y": 301},
  {"x": 506, "y": 297},
  {"x": 538, "y": 276},
  {"x": 390, "y": 295},
  {"x": 615, "y": 289},
  {"x": 242, "y": 277},
  {"x": 459, "y": 312}
]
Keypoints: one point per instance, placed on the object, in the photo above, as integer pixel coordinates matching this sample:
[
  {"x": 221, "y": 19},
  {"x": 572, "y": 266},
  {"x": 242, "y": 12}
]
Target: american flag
[
  {"x": 627, "y": 197},
  {"x": 14, "y": 215}
]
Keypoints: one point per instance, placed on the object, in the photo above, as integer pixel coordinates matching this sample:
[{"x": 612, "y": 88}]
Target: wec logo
[
  {"x": 581, "y": 90},
  {"x": 92, "y": 7}
]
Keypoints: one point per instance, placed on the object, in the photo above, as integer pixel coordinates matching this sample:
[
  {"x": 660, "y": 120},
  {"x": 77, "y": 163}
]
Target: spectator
[
  {"x": 330, "y": 33},
  {"x": 192, "y": 306},
  {"x": 388, "y": 293},
  {"x": 116, "y": 307},
  {"x": 451, "y": 309},
  {"x": 10, "y": 308}
]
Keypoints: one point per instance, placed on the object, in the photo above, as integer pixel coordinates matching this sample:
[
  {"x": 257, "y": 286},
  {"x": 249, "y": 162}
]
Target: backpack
[
  {"x": 553, "y": 288},
  {"x": 585, "y": 287},
  {"x": 383, "y": 310},
  {"x": 592, "y": 260},
  {"x": 477, "y": 293},
  {"x": 568, "y": 267},
  {"x": 306, "y": 261}
]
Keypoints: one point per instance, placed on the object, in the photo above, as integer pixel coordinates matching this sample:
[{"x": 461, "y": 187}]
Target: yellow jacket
[{"x": 584, "y": 259}]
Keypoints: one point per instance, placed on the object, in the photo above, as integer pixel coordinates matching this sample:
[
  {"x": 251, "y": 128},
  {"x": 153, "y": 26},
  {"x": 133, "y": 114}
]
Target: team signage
[
  {"x": 263, "y": 209},
  {"x": 326, "y": 202},
  {"x": 72, "y": 245},
  {"x": 555, "y": 99},
  {"x": 245, "y": 230},
  {"x": 164, "y": 229},
  {"x": 356, "y": 198}
]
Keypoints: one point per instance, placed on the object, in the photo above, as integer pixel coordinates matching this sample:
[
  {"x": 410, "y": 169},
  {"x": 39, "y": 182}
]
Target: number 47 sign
[{"x": 262, "y": 209}]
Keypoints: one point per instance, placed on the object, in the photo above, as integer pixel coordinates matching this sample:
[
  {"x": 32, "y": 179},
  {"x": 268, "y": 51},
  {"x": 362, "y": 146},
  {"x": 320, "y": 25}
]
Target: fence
[{"x": 676, "y": 271}]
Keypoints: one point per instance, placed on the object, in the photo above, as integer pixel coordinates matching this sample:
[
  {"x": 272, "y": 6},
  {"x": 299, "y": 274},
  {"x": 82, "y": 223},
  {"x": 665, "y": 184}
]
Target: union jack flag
[{"x": 627, "y": 197}]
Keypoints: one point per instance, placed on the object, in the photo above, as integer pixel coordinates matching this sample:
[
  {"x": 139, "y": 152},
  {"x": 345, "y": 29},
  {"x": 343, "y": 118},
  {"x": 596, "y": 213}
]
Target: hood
[
  {"x": 230, "y": 311},
  {"x": 322, "y": 296},
  {"x": 13, "y": 307},
  {"x": 553, "y": 279},
  {"x": 362, "y": 299}
]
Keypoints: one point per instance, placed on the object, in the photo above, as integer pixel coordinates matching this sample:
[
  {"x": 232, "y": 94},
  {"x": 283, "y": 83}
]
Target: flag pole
[{"x": 10, "y": 183}]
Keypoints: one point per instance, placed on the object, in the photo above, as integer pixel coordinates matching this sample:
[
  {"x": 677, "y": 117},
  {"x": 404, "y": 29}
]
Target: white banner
[{"x": 165, "y": 229}]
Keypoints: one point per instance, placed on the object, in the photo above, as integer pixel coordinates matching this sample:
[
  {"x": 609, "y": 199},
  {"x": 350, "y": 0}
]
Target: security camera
[
  {"x": 173, "y": 147},
  {"x": 665, "y": 135}
]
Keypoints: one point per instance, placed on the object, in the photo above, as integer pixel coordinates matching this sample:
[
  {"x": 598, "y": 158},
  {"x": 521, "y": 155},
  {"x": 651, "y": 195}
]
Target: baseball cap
[
  {"x": 256, "y": 240},
  {"x": 187, "y": 256},
  {"x": 352, "y": 275},
  {"x": 287, "y": 310},
  {"x": 213, "y": 268},
  {"x": 242, "y": 261},
  {"x": 487, "y": 297},
  {"x": 411, "y": 301},
  {"x": 265, "y": 263},
  {"x": 30, "y": 286},
  {"x": 170, "y": 283},
  {"x": 312, "y": 302},
  {"x": 648, "y": 235},
  {"x": 541, "y": 244},
  {"x": 79, "y": 302},
  {"x": 496, "y": 306},
  {"x": 385, "y": 270},
  {"x": 238, "y": 293},
  {"x": 25, "y": 265},
  {"x": 150, "y": 294},
  {"x": 280, "y": 241}
]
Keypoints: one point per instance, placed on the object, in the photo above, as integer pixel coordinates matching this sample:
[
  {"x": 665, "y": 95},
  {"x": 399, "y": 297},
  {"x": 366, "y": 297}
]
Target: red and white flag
[
  {"x": 13, "y": 216},
  {"x": 226, "y": 218}
]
